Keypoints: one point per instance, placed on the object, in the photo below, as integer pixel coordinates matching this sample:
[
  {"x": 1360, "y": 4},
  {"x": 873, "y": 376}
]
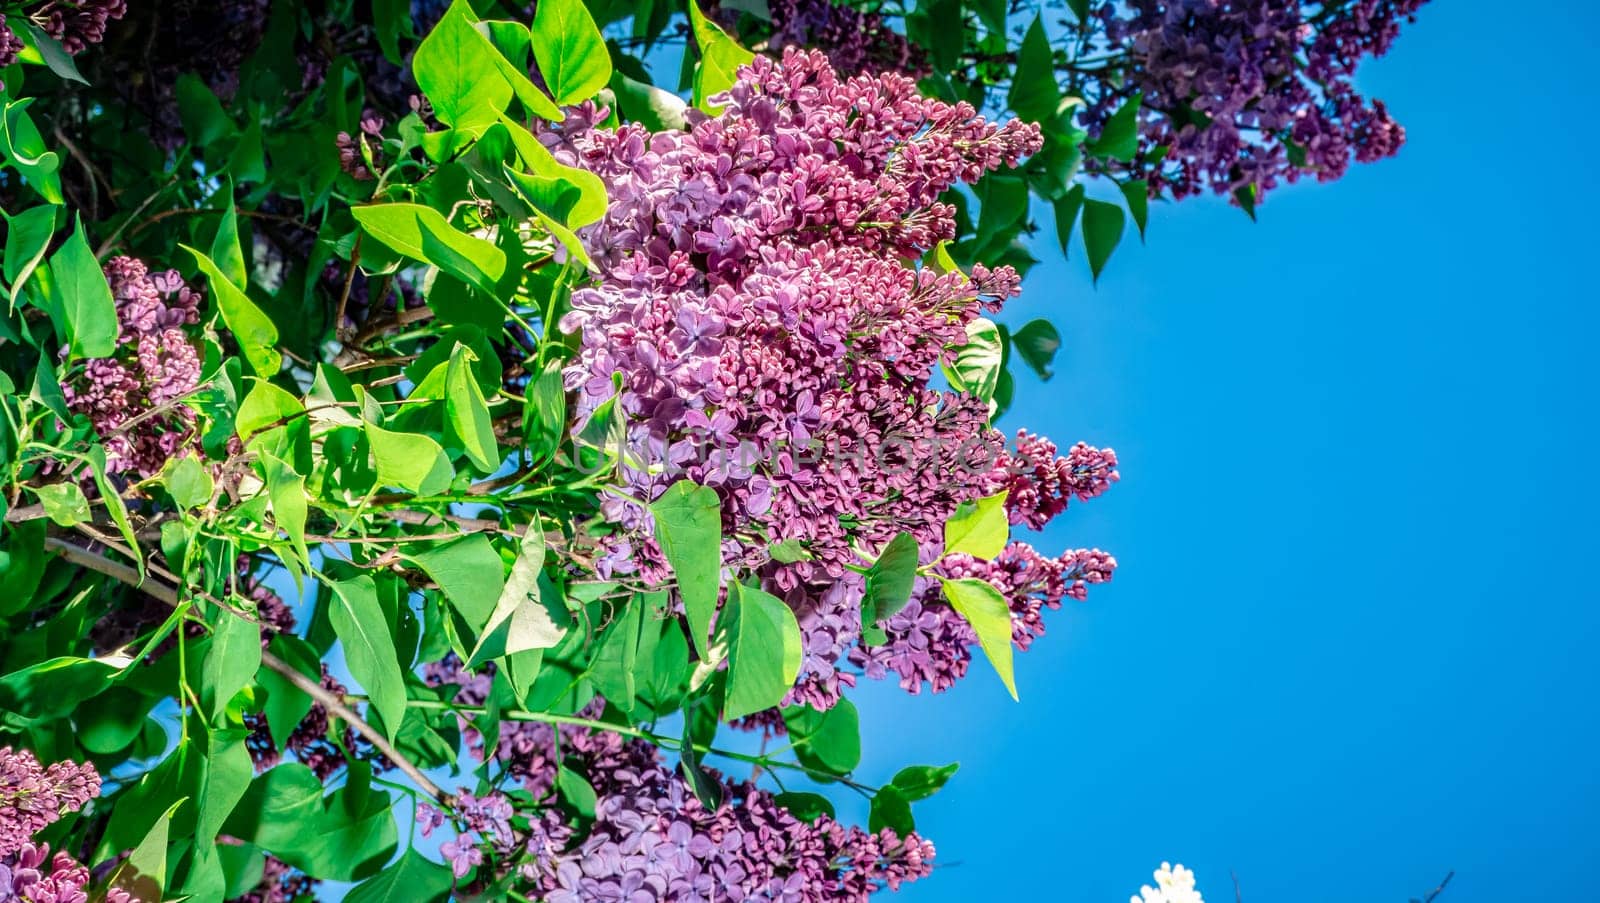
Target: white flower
[{"x": 1174, "y": 884}]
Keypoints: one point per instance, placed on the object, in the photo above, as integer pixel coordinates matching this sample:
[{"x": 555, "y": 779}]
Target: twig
[
  {"x": 1434, "y": 894},
  {"x": 349, "y": 280},
  {"x": 334, "y": 704},
  {"x": 162, "y": 592}
]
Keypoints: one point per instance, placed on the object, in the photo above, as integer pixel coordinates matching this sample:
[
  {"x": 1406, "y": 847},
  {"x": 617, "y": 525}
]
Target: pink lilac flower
[
  {"x": 775, "y": 344},
  {"x": 156, "y": 363},
  {"x": 929, "y": 644},
  {"x": 34, "y": 796}
]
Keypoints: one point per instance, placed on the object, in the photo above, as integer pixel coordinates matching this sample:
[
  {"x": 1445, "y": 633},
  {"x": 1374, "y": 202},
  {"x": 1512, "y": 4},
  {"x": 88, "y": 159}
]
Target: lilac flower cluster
[
  {"x": 1041, "y": 483},
  {"x": 930, "y": 644},
  {"x": 32, "y": 797},
  {"x": 78, "y": 23},
  {"x": 854, "y": 40},
  {"x": 1247, "y": 93},
  {"x": 75, "y": 24},
  {"x": 350, "y": 147},
  {"x": 155, "y": 365},
  {"x": 651, "y": 839},
  {"x": 756, "y": 300}
]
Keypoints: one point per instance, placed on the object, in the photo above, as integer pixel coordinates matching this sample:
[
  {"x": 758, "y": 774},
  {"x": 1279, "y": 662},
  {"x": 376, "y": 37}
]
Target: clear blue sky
[{"x": 1354, "y": 642}]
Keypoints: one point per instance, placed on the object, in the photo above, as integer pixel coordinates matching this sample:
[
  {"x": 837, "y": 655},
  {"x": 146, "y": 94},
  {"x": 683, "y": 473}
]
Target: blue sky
[{"x": 1351, "y": 645}]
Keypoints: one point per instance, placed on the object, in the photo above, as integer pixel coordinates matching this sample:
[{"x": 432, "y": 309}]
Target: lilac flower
[
  {"x": 774, "y": 344},
  {"x": 652, "y": 840},
  {"x": 463, "y": 854},
  {"x": 155, "y": 365},
  {"x": 1245, "y": 94},
  {"x": 33, "y": 796}
]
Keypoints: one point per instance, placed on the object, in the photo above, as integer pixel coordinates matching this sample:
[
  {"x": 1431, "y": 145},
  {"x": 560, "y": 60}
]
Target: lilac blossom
[
  {"x": 1243, "y": 95},
  {"x": 774, "y": 343},
  {"x": 651, "y": 839},
  {"x": 155, "y": 365}
]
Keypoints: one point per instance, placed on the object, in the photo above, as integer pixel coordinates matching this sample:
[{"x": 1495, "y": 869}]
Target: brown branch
[
  {"x": 162, "y": 592},
  {"x": 334, "y": 704}
]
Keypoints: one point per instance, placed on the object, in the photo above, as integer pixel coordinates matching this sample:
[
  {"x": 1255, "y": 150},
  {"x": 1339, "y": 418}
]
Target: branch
[
  {"x": 118, "y": 571},
  {"x": 334, "y": 704}
]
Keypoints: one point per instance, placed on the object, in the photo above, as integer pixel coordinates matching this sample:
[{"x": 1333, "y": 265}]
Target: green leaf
[
  {"x": 54, "y": 687},
  {"x": 227, "y": 776},
  {"x": 789, "y": 551},
  {"x": 1066, "y": 209},
  {"x": 412, "y": 878},
  {"x": 1119, "y": 138},
  {"x": 423, "y": 233},
  {"x": 265, "y": 407},
  {"x": 64, "y": 502},
  {"x": 469, "y": 573},
  {"x": 521, "y": 609},
  {"x": 590, "y": 205},
  {"x": 577, "y": 791},
  {"x": 651, "y": 107},
  {"x": 918, "y": 782},
  {"x": 27, "y": 238},
  {"x": 409, "y": 461},
  {"x": 455, "y": 67},
  {"x": 720, "y": 58},
  {"x": 1034, "y": 95},
  {"x": 1102, "y": 229},
  {"x": 286, "y": 703},
  {"x": 830, "y": 740},
  {"x": 1137, "y": 193},
  {"x": 204, "y": 120},
  {"x": 572, "y": 55},
  {"x": 509, "y": 45},
  {"x": 144, "y": 874},
  {"x": 764, "y": 650},
  {"x": 287, "y": 492},
  {"x": 1036, "y": 343},
  {"x": 613, "y": 664},
  {"x": 807, "y": 807},
  {"x": 225, "y": 249},
  {"x": 232, "y": 661},
  {"x": 253, "y": 330},
  {"x": 24, "y": 149},
  {"x": 978, "y": 528},
  {"x": 986, "y": 610},
  {"x": 889, "y": 581},
  {"x": 689, "y": 528},
  {"x": 891, "y": 810},
  {"x": 467, "y": 412},
  {"x": 281, "y": 811},
  {"x": 369, "y": 648},
  {"x": 53, "y": 55},
  {"x": 977, "y": 364},
  {"x": 80, "y": 299},
  {"x": 188, "y": 481}
]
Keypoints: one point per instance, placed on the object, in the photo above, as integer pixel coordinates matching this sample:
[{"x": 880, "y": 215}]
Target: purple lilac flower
[
  {"x": 652, "y": 840},
  {"x": 33, "y": 796},
  {"x": 774, "y": 343},
  {"x": 155, "y": 364},
  {"x": 1245, "y": 94}
]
